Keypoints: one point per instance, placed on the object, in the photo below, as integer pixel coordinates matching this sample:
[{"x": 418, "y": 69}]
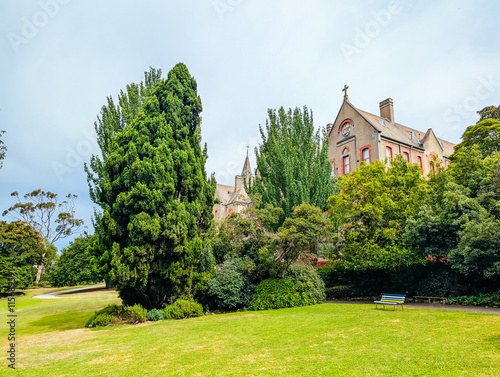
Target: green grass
[{"x": 321, "y": 340}]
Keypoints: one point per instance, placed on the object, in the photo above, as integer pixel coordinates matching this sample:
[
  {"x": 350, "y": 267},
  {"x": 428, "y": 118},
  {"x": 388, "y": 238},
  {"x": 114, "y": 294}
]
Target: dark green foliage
[
  {"x": 307, "y": 280},
  {"x": 303, "y": 233},
  {"x": 21, "y": 247},
  {"x": 229, "y": 289},
  {"x": 339, "y": 292},
  {"x": 73, "y": 266},
  {"x": 117, "y": 314},
  {"x": 183, "y": 308},
  {"x": 156, "y": 315},
  {"x": 280, "y": 293},
  {"x": 492, "y": 300},
  {"x": 158, "y": 201},
  {"x": 436, "y": 284},
  {"x": 293, "y": 162},
  {"x": 489, "y": 112}
]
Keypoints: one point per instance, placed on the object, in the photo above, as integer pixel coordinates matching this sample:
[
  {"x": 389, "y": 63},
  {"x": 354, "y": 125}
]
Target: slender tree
[
  {"x": 51, "y": 219},
  {"x": 112, "y": 120},
  {"x": 156, "y": 198},
  {"x": 292, "y": 162},
  {"x": 3, "y": 149}
]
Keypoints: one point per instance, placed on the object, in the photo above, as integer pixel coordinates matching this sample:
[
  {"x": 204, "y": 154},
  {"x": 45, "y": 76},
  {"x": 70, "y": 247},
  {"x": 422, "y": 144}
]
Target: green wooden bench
[{"x": 391, "y": 299}]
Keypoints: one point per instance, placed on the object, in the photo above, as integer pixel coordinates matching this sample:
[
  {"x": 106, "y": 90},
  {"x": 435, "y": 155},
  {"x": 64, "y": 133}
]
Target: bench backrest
[{"x": 389, "y": 297}]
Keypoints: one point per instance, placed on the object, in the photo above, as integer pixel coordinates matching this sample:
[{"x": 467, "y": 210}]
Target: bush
[
  {"x": 307, "y": 280},
  {"x": 492, "y": 300},
  {"x": 156, "y": 315},
  {"x": 135, "y": 314},
  {"x": 117, "y": 314},
  {"x": 183, "y": 308},
  {"x": 279, "y": 293},
  {"x": 339, "y": 292},
  {"x": 437, "y": 283},
  {"x": 229, "y": 289}
]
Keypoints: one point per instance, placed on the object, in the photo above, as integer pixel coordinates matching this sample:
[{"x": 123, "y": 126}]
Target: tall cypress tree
[{"x": 158, "y": 200}]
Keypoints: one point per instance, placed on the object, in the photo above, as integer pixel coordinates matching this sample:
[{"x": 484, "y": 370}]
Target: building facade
[
  {"x": 233, "y": 199},
  {"x": 357, "y": 136}
]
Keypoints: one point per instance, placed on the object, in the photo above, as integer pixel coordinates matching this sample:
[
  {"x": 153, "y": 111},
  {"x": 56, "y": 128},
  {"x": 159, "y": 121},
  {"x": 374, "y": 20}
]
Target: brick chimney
[{"x": 387, "y": 109}]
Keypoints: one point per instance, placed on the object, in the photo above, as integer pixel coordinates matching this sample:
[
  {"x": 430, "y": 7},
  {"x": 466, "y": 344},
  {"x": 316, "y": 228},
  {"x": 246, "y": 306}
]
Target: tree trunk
[{"x": 39, "y": 272}]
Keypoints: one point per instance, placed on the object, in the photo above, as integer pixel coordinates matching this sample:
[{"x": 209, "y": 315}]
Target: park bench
[
  {"x": 441, "y": 300},
  {"x": 391, "y": 299}
]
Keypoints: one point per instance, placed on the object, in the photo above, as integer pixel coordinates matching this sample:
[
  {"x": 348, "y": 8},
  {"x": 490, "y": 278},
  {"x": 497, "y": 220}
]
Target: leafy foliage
[
  {"x": 485, "y": 134},
  {"x": 21, "y": 247},
  {"x": 280, "y": 293},
  {"x": 51, "y": 219},
  {"x": 229, "y": 289},
  {"x": 73, "y": 266},
  {"x": 370, "y": 215},
  {"x": 292, "y": 162},
  {"x": 117, "y": 314},
  {"x": 183, "y": 308},
  {"x": 307, "y": 280}
]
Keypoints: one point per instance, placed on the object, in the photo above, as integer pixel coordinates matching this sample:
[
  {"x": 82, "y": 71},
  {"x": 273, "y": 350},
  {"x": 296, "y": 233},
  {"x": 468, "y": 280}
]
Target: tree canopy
[
  {"x": 3, "y": 149},
  {"x": 485, "y": 135},
  {"x": 292, "y": 162}
]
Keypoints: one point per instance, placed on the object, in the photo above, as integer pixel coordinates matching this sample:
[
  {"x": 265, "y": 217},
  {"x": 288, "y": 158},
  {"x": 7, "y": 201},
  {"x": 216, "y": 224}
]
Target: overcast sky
[{"x": 60, "y": 59}]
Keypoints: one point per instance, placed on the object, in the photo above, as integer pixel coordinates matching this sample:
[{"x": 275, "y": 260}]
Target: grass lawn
[{"x": 321, "y": 340}]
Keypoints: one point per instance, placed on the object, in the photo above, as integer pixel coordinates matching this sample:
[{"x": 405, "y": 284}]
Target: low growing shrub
[
  {"x": 117, "y": 314},
  {"x": 135, "y": 314},
  {"x": 183, "y": 308},
  {"x": 492, "y": 300},
  {"x": 156, "y": 315},
  {"x": 339, "y": 292},
  {"x": 279, "y": 293}
]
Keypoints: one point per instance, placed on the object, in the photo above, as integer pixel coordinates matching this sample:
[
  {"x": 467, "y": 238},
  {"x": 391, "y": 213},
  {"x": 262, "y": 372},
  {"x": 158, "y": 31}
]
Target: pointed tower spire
[{"x": 247, "y": 170}]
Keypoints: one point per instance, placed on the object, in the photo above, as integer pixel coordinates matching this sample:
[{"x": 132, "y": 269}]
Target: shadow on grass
[{"x": 63, "y": 321}]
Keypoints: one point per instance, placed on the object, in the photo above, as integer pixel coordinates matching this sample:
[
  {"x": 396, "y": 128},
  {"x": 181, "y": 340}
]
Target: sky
[{"x": 60, "y": 59}]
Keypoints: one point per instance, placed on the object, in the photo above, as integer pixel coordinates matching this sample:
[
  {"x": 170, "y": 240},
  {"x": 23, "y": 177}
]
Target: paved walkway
[
  {"x": 75, "y": 290},
  {"x": 460, "y": 308}
]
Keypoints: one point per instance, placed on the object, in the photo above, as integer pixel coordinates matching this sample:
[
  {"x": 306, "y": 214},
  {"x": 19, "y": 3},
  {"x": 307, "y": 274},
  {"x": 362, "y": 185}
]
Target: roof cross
[{"x": 346, "y": 97}]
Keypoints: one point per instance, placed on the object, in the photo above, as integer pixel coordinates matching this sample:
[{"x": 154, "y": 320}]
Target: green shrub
[
  {"x": 156, "y": 315},
  {"x": 339, "y": 292},
  {"x": 492, "y": 300},
  {"x": 229, "y": 289},
  {"x": 307, "y": 280},
  {"x": 183, "y": 308},
  {"x": 135, "y": 314},
  {"x": 279, "y": 293},
  {"x": 117, "y": 314}
]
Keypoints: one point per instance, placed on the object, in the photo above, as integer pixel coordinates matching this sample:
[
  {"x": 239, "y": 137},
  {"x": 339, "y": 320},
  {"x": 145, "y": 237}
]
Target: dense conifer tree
[{"x": 157, "y": 200}]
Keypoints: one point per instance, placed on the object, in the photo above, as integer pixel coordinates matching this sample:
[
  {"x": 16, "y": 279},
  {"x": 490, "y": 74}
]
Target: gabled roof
[{"x": 398, "y": 132}]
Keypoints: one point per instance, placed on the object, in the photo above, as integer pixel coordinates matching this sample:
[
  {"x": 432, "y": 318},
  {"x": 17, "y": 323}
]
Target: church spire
[{"x": 247, "y": 170}]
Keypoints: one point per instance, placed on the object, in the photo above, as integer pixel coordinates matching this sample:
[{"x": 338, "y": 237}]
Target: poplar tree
[
  {"x": 157, "y": 199},
  {"x": 292, "y": 162}
]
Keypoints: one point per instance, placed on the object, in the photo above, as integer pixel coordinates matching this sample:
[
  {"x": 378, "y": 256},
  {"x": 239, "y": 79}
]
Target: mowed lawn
[{"x": 321, "y": 340}]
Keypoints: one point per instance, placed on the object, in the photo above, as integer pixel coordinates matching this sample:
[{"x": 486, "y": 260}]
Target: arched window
[
  {"x": 388, "y": 155},
  {"x": 406, "y": 156},
  {"x": 346, "y": 128},
  {"x": 365, "y": 154},
  {"x": 419, "y": 158},
  {"x": 346, "y": 161}
]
